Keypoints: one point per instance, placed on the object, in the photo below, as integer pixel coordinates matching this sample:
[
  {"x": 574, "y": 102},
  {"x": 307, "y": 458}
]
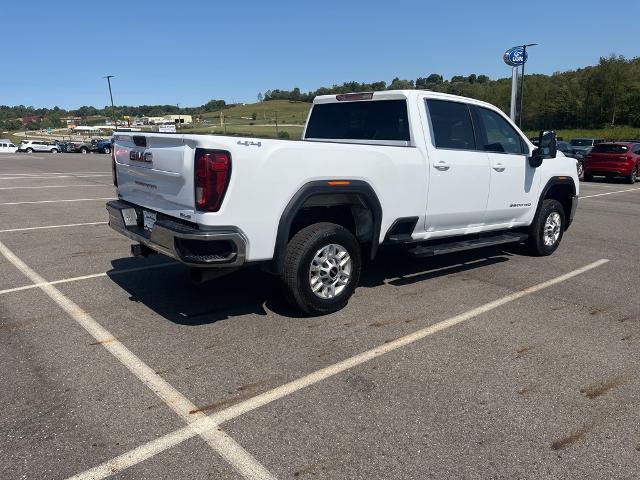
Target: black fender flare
[
  {"x": 320, "y": 187},
  {"x": 553, "y": 181}
]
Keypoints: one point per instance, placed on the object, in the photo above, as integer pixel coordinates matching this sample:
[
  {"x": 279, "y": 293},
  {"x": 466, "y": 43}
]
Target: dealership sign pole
[{"x": 515, "y": 57}]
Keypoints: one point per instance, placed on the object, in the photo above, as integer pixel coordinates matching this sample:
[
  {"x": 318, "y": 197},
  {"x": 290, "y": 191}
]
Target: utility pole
[
  {"x": 179, "y": 118},
  {"x": 109, "y": 77},
  {"x": 524, "y": 60}
]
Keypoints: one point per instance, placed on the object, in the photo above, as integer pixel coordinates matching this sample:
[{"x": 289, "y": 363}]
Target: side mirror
[{"x": 547, "y": 148}]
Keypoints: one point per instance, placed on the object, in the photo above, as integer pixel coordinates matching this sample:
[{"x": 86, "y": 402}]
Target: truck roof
[{"x": 399, "y": 94}]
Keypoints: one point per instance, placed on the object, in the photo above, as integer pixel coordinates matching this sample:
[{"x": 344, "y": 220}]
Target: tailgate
[{"x": 155, "y": 171}]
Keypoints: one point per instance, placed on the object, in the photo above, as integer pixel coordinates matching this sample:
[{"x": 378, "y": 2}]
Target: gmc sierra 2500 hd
[{"x": 437, "y": 173}]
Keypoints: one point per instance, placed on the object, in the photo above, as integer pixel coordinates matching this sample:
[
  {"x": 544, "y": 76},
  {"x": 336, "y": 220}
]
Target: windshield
[
  {"x": 581, "y": 142},
  {"x": 610, "y": 148}
]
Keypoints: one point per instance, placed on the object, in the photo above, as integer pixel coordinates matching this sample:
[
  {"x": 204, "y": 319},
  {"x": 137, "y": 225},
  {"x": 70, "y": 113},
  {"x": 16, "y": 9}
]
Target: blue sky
[{"x": 188, "y": 52}]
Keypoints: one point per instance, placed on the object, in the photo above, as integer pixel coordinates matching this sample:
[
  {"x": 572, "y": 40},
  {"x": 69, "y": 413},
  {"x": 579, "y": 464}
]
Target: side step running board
[{"x": 459, "y": 246}]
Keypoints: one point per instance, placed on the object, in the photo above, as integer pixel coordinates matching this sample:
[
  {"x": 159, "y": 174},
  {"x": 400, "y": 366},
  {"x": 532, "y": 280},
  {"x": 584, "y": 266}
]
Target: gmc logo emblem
[{"x": 135, "y": 156}]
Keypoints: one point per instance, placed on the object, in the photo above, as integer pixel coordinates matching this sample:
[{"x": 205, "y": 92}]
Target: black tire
[
  {"x": 536, "y": 241},
  {"x": 83, "y": 150},
  {"x": 29, "y": 150},
  {"x": 633, "y": 176},
  {"x": 300, "y": 252}
]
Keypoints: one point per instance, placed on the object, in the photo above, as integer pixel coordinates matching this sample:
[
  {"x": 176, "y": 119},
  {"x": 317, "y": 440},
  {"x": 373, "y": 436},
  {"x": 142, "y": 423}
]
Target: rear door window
[
  {"x": 451, "y": 124},
  {"x": 367, "y": 120}
]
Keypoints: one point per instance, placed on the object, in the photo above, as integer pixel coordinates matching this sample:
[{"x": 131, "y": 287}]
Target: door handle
[
  {"x": 498, "y": 167},
  {"x": 442, "y": 166}
]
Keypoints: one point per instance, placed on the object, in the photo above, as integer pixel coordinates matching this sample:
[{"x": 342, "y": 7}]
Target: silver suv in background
[{"x": 31, "y": 146}]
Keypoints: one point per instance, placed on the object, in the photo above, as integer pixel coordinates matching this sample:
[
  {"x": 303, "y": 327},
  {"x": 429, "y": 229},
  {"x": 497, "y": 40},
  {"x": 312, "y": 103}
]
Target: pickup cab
[{"x": 435, "y": 173}]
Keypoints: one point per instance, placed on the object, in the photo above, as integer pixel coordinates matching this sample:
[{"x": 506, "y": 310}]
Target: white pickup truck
[{"x": 437, "y": 173}]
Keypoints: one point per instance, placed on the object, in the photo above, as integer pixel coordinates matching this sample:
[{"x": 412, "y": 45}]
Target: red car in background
[{"x": 613, "y": 159}]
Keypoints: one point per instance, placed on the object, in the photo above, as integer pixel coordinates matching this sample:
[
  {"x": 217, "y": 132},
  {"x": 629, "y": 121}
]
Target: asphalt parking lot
[{"x": 491, "y": 364}]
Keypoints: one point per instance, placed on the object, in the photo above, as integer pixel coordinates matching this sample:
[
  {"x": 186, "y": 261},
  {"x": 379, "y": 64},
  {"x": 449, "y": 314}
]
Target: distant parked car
[
  {"x": 101, "y": 146},
  {"x": 581, "y": 147},
  {"x": 31, "y": 146},
  {"x": 79, "y": 147},
  {"x": 62, "y": 146},
  {"x": 7, "y": 146},
  {"x": 615, "y": 159}
]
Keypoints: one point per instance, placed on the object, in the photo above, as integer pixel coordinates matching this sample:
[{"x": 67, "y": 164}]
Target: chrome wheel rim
[
  {"x": 330, "y": 271},
  {"x": 552, "y": 229},
  {"x": 580, "y": 169}
]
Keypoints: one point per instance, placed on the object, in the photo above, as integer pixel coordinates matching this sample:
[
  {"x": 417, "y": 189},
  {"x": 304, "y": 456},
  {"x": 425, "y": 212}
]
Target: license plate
[{"x": 149, "y": 219}]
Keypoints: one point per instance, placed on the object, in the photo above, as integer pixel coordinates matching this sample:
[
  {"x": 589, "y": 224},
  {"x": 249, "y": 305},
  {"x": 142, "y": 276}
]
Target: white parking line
[
  {"x": 87, "y": 277},
  {"x": 219, "y": 441},
  {"x": 57, "y": 186},
  {"x": 154, "y": 447},
  {"x": 57, "y": 201},
  {"x": 611, "y": 193},
  {"x": 48, "y": 177},
  {"x": 36, "y": 174},
  {"x": 51, "y": 226}
]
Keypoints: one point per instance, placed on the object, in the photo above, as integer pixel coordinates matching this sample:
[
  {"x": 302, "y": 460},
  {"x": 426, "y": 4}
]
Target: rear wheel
[
  {"x": 321, "y": 268},
  {"x": 54, "y": 150},
  {"x": 84, "y": 150},
  {"x": 633, "y": 176},
  {"x": 545, "y": 233},
  {"x": 29, "y": 150},
  {"x": 107, "y": 150}
]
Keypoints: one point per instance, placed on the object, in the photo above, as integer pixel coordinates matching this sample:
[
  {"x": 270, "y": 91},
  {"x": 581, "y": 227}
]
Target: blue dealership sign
[{"x": 515, "y": 56}]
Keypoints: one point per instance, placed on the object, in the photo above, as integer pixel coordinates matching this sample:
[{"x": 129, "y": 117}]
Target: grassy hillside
[
  {"x": 288, "y": 113},
  {"x": 610, "y": 133}
]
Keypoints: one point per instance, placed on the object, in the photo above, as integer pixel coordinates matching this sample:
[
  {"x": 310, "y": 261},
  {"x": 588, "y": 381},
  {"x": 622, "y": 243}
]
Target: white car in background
[
  {"x": 6, "y": 146},
  {"x": 31, "y": 146}
]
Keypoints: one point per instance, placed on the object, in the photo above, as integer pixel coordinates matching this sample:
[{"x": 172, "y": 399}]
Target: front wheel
[
  {"x": 545, "y": 233},
  {"x": 321, "y": 268},
  {"x": 84, "y": 150},
  {"x": 54, "y": 150},
  {"x": 107, "y": 150},
  {"x": 29, "y": 150}
]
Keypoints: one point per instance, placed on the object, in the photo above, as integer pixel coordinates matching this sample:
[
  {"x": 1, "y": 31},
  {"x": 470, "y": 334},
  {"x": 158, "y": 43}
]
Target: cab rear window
[{"x": 368, "y": 120}]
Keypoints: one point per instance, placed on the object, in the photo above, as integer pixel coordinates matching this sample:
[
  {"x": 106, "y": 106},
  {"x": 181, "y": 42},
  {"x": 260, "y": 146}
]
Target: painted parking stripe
[
  {"x": 36, "y": 174},
  {"x": 611, "y": 193},
  {"x": 58, "y": 201},
  {"x": 219, "y": 441},
  {"x": 174, "y": 438},
  {"x": 88, "y": 277},
  {"x": 48, "y": 177},
  {"x": 45, "y": 227},
  {"x": 24, "y": 229},
  {"x": 56, "y": 186}
]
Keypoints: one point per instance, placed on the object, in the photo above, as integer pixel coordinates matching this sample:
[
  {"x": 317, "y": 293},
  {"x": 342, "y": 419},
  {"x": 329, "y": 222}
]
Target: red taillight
[
  {"x": 213, "y": 171},
  {"x": 113, "y": 166}
]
